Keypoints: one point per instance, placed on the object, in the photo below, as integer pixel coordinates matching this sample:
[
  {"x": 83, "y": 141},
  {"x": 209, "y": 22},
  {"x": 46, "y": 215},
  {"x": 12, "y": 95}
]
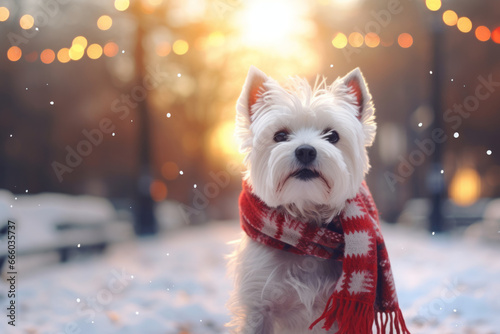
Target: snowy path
[{"x": 179, "y": 286}]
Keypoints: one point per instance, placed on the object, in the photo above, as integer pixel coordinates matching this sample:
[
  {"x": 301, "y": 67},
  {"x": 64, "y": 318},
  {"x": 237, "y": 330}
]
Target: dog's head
[{"x": 306, "y": 147}]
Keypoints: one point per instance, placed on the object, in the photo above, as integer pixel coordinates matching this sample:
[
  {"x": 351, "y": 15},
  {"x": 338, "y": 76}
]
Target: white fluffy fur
[{"x": 275, "y": 291}]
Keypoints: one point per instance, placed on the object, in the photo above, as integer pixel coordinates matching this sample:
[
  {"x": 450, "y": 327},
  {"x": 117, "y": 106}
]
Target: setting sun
[{"x": 267, "y": 24}]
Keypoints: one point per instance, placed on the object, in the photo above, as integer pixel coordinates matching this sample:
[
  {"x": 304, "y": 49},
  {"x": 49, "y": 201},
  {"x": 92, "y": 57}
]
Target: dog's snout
[{"x": 305, "y": 153}]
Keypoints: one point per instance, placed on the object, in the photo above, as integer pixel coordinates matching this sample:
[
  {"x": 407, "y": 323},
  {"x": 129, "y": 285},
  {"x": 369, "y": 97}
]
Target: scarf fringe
[
  {"x": 351, "y": 316},
  {"x": 390, "y": 322},
  {"x": 355, "y": 317}
]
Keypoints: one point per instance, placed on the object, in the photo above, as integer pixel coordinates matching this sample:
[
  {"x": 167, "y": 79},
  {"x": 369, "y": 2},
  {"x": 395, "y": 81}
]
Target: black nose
[{"x": 305, "y": 153}]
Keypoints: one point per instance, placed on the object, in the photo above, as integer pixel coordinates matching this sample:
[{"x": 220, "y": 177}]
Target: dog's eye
[
  {"x": 332, "y": 137},
  {"x": 280, "y": 136}
]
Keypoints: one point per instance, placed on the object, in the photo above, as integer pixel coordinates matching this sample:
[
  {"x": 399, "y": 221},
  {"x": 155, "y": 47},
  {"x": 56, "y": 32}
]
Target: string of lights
[
  {"x": 405, "y": 40},
  {"x": 340, "y": 40}
]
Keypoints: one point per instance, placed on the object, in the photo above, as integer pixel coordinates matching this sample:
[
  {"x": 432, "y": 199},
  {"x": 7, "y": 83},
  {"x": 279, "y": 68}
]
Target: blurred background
[
  {"x": 163, "y": 77},
  {"x": 117, "y": 116}
]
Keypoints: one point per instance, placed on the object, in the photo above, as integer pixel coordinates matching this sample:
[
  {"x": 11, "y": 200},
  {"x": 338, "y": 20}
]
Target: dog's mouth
[{"x": 305, "y": 174}]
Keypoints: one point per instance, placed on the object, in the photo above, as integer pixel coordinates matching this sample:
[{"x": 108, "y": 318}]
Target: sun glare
[{"x": 266, "y": 24}]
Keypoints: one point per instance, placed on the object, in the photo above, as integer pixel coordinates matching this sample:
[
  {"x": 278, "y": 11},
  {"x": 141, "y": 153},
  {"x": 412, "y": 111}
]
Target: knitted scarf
[{"x": 365, "y": 291}]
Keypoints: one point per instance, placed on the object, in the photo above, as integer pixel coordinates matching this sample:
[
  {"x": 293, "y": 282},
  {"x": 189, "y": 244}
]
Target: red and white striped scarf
[{"x": 365, "y": 291}]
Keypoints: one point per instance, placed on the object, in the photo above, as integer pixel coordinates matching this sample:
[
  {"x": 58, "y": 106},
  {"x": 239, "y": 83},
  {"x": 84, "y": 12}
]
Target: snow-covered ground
[{"x": 176, "y": 283}]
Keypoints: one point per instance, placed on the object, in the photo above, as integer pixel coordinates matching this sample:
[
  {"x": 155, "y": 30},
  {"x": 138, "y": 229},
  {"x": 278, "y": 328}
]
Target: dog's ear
[
  {"x": 252, "y": 90},
  {"x": 362, "y": 101}
]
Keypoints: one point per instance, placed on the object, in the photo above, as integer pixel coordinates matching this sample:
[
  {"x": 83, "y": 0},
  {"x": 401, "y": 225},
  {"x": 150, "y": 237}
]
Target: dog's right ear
[{"x": 252, "y": 90}]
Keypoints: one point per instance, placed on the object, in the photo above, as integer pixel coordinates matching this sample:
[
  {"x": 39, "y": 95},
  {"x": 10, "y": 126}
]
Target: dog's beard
[{"x": 323, "y": 186}]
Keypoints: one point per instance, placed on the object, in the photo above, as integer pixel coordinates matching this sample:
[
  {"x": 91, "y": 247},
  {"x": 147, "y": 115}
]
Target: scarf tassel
[
  {"x": 390, "y": 322},
  {"x": 351, "y": 316},
  {"x": 355, "y": 317}
]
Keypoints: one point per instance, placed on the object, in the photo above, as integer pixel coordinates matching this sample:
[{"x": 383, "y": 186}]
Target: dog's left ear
[{"x": 356, "y": 85}]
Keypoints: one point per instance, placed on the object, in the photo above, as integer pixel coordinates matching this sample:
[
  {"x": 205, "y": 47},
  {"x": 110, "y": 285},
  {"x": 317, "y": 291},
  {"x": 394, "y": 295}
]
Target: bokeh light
[
  {"x": 104, "y": 22},
  {"x": 180, "y": 47},
  {"x": 76, "y": 52},
  {"x": 94, "y": 51},
  {"x": 465, "y": 187},
  {"x": 170, "y": 170},
  {"x": 339, "y": 41},
  {"x": 495, "y": 35},
  {"x": 483, "y": 33},
  {"x": 26, "y": 21},
  {"x": 372, "y": 40},
  {"x": 216, "y": 39},
  {"x": 433, "y": 5},
  {"x": 450, "y": 18},
  {"x": 405, "y": 40},
  {"x": 63, "y": 55},
  {"x": 122, "y": 5},
  {"x": 163, "y": 49},
  {"x": 80, "y": 40},
  {"x": 4, "y": 14},
  {"x": 158, "y": 190},
  {"x": 111, "y": 49},
  {"x": 47, "y": 56},
  {"x": 14, "y": 53},
  {"x": 464, "y": 24},
  {"x": 356, "y": 39}
]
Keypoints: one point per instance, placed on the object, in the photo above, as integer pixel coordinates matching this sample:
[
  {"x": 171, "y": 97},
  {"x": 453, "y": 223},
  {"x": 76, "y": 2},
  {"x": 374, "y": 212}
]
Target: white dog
[{"x": 306, "y": 157}]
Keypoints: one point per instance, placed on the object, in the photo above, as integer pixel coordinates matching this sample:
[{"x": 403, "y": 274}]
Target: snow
[{"x": 176, "y": 282}]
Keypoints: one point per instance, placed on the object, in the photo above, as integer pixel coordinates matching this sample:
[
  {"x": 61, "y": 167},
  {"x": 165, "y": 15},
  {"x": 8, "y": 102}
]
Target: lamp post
[
  {"x": 145, "y": 221},
  {"x": 435, "y": 181}
]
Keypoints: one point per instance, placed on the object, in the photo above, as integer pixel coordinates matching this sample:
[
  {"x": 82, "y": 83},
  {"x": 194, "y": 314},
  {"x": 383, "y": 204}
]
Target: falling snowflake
[
  {"x": 430, "y": 72},
  {"x": 420, "y": 124},
  {"x": 168, "y": 115},
  {"x": 51, "y": 103},
  {"x": 11, "y": 136},
  {"x": 181, "y": 172},
  {"x": 442, "y": 171},
  {"x": 331, "y": 65},
  {"x": 26, "y": 190},
  {"x": 179, "y": 75},
  {"x": 433, "y": 233},
  {"x": 452, "y": 80},
  {"x": 78, "y": 245},
  {"x": 194, "y": 186},
  {"x": 456, "y": 134},
  {"x": 489, "y": 152},
  {"x": 77, "y": 300},
  {"x": 113, "y": 134}
]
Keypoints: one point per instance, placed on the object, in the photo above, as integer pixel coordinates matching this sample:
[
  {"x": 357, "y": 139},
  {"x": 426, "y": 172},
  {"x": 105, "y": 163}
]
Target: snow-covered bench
[{"x": 59, "y": 223}]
